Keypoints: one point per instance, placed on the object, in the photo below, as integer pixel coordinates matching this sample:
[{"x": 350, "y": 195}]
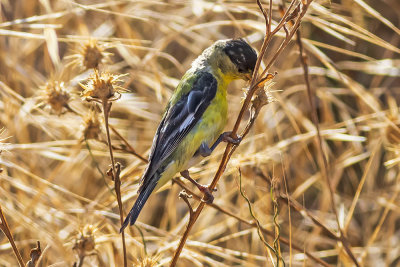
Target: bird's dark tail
[{"x": 140, "y": 201}]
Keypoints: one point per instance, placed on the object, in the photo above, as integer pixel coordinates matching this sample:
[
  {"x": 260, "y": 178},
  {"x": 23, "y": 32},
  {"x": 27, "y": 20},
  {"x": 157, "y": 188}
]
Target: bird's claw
[
  {"x": 233, "y": 140},
  {"x": 208, "y": 197}
]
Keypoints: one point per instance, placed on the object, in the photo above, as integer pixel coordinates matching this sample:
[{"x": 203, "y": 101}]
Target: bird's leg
[
  {"x": 206, "y": 151},
  {"x": 208, "y": 197}
]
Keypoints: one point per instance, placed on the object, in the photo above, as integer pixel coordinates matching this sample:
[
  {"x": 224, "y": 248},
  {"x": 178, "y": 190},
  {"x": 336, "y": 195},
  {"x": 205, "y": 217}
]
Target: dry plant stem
[
  {"x": 379, "y": 225},
  {"x": 321, "y": 153},
  {"x": 252, "y": 224},
  {"x": 277, "y": 245},
  {"x": 80, "y": 261},
  {"x": 115, "y": 174},
  {"x": 289, "y": 214},
  {"x": 259, "y": 232},
  {"x": 360, "y": 185},
  {"x": 131, "y": 149},
  {"x": 286, "y": 199},
  {"x": 298, "y": 207},
  {"x": 184, "y": 196},
  {"x": 6, "y": 230},
  {"x": 125, "y": 149},
  {"x": 35, "y": 255},
  {"x": 253, "y": 88}
]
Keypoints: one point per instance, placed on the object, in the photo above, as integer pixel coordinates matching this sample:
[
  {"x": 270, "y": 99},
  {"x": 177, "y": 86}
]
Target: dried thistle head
[
  {"x": 102, "y": 87},
  {"x": 146, "y": 261},
  {"x": 90, "y": 55},
  {"x": 263, "y": 96},
  {"x": 56, "y": 96},
  {"x": 85, "y": 241},
  {"x": 91, "y": 125}
]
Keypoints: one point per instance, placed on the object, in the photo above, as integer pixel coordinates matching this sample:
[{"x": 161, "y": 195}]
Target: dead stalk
[
  {"x": 115, "y": 170},
  {"x": 6, "y": 230},
  {"x": 326, "y": 172}
]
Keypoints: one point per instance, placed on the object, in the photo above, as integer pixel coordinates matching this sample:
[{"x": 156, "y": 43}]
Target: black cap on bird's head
[
  {"x": 234, "y": 58},
  {"x": 242, "y": 55}
]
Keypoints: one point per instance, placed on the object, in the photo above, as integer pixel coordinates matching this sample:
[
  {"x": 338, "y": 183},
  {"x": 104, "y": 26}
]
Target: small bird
[{"x": 194, "y": 118}]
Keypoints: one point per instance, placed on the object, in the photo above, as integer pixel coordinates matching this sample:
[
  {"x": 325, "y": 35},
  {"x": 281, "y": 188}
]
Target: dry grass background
[{"x": 53, "y": 187}]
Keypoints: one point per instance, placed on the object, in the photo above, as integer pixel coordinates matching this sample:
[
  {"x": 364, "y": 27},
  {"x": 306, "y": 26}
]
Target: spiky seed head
[
  {"x": 90, "y": 55},
  {"x": 91, "y": 125},
  {"x": 56, "y": 96},
  {"x": 102, "y": 87},
  {"x": 85, "y": 241},
  {"x": 146, "y": 261},
  {"x": 263, "y": 97}
]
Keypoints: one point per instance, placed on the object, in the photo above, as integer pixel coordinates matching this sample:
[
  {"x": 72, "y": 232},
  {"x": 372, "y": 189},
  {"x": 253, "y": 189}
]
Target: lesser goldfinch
[{"x": 195, "y": 117}]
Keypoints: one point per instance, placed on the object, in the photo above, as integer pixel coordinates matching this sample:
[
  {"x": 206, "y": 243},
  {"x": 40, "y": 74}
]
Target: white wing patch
[{"x": 189, "y": 119}]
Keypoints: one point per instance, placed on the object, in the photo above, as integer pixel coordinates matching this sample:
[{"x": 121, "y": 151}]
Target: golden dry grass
[{"x": 53, "y": 187}]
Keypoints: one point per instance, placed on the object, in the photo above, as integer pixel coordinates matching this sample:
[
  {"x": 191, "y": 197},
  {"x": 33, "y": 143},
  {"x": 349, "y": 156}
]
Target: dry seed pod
[
  {"x": 90, "y": 55},
  {"x": 56, "y": 96},
  {"x": 91, "y": 125},
  {"x": 85, "y": 241},
  {"x": 146, "y": 261},
  {"x": 102, "y": 87}
]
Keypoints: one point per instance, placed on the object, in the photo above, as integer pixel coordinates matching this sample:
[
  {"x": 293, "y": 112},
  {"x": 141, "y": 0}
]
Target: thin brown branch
[
  {"x": 264, "y": 12},
  {"x": 242, "y": 193},
  {"x": 131, "y": 149},
  {"x": 6, "y": 230},
  {"x": 185, "y": 196},
  {"x": 303, "y": 211},
  {"x": 289, "y": 34},
  {"x": 115, "y": 170},
  {"x": 289, "y": 212}
]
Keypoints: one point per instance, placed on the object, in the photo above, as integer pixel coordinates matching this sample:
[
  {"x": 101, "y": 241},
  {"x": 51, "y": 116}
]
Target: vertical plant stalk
[
  {"x": 131, "y": 149},
  {"x": 257, "y": 222},
  {"x": 326, "y": 173},
  {"x": 277, "y": 245},
  {"x": 115, "y": 170},
  {"x": 255, "y": 84},
  {"x": 6, "y": 230},
  {"x": 102, "y": 88}
]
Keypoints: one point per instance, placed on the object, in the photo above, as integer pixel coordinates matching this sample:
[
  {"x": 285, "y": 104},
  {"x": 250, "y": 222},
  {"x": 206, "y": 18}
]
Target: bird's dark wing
[{"x": 178, "y": 120}]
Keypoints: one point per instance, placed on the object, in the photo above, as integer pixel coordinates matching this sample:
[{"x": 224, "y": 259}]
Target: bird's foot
[
  {"x": 208, "y": 197},
  {"x": 226, "y": 137},
  {"x": 205, "y": 189}
]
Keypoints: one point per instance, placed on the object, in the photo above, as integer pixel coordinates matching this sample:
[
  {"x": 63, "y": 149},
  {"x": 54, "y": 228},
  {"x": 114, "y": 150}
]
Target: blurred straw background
[{"x": 54, "y": 155}]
